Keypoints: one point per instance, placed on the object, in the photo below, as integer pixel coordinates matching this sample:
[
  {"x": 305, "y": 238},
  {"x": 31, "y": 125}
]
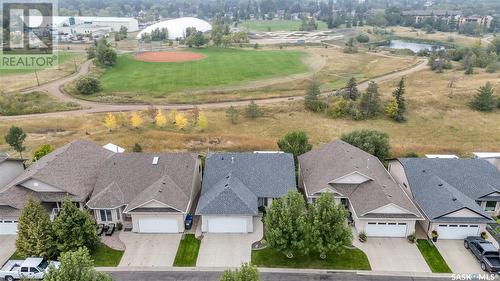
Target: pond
[{"x": 415, "y": 47}]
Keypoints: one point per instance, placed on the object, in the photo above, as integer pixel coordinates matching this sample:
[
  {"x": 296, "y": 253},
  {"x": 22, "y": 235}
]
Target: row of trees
[
  {"x": 251, "y": 111},
  {"x": 349, "y": 102},
  {"x": 173, "y": 119}
]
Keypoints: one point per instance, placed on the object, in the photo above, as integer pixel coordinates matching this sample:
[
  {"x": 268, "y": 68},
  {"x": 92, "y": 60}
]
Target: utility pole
[{"x": 37, "y": 81}]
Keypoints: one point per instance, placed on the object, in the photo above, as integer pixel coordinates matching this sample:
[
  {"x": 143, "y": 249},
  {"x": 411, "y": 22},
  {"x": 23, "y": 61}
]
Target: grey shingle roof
[
  {"x": 72, "y": 168},
  {"x": 131, "y": 179},
  {"x": 336, "y": 159},
  {"x": 442, "y": 186},
  {"x": 233, "y": 182}
]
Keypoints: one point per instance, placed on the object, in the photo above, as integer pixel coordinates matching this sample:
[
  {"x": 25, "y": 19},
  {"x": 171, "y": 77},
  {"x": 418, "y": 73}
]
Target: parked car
[
  {"x": 188, "y": 222},
  {"x": 485, "y": 253},
  {"x": 30, "y": 269}
]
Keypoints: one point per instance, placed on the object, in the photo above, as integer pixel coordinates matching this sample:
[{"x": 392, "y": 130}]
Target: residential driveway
[
  {"x": 7, "y": 247},
  {"x": 142, "y": 249},
  {"x": 228, "y": 250},
  {"x": 393, "y": 254},
  {"x": 459, "y": 259}
]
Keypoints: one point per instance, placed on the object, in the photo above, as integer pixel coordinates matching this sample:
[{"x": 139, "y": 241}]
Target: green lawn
[
  {"x": 277, "y": 25},
  {"x": 105, "y": 256},
  {"x": 351, "y": 259},
  {"x": 30, "y": 103},
  {"x": 187, "y": 254},
  {"x": 220, "y": 67},
  {"x": 62, "y": 58},
  {"x": 16, "y": 256},
  {"x": 432, "y": 256}
]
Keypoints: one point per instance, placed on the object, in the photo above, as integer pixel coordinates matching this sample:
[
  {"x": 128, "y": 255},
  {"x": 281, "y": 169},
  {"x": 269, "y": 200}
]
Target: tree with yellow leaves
[
  {"x": 202, "y": 121},
  {"x": 171, "y": 116},
  {"x": 180, "y": 121},
  {"x": 136, "y": 120},
  {"x": 160, "y": 119},
  {"x": 110, "y": 121},
  {"x": 391, "y": 108}
]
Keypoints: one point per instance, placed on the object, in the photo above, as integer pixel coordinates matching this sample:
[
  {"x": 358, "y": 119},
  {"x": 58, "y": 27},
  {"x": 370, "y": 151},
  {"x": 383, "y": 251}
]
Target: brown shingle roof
[
  {"x": 131, "y": 179},
  {"x": 320, "y": 166}
]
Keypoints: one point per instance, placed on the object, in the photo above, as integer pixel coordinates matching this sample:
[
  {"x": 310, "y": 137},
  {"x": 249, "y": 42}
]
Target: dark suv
[{"x": 485, "y": 253}]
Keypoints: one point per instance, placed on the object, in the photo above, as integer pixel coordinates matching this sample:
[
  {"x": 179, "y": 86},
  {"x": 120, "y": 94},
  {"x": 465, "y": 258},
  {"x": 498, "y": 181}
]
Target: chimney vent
[{"x": 155, "y": 160}]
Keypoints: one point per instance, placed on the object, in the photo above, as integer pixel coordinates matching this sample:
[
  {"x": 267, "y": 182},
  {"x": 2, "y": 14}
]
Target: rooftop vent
[
  {"x": 454, "y": 199},
  {"x": 232, "y": 160},
  {"x": 155, "y": 160},
  {"x": 440, "y": 184}
]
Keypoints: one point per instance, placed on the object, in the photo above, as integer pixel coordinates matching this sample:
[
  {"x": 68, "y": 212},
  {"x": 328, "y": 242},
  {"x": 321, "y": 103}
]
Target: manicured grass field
[
  {"x": 104, "y": 256},
  {"x": 277, "y": 25},
  {"x": 187, "y": 253},
  {"x": 432, "y": 256},
  {"x": 351, "y": 259},
  {"x": 220, "y": 67}
]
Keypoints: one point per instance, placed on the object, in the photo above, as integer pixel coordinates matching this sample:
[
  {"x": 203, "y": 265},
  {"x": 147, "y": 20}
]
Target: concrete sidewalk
[{"x": 279, "y": 270}]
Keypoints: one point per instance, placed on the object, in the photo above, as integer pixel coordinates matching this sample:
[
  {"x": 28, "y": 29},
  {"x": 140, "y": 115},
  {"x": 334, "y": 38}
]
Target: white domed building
[{"x": 177, "y": 27}]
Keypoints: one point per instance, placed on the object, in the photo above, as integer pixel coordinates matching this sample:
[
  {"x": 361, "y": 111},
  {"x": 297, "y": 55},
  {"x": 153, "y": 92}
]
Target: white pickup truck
[{"x": 30, "y": 269}]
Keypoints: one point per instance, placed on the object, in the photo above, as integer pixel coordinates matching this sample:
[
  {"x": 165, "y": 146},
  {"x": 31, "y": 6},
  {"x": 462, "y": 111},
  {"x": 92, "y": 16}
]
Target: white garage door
[
  {"x": 158, "y": 225},
  {"x": 8, "y": 227},
  {"x": 384, "y": 229},
  {"x": 227, "y": 225},
  {"x": 457, "y": 231}
]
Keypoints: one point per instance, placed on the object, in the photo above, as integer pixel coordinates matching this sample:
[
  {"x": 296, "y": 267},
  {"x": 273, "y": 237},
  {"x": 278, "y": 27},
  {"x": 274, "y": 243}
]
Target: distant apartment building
[{"x": 421, "y": 15}]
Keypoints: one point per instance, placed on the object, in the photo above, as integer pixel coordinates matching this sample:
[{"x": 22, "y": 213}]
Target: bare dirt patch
[{"x": 168, "y": 56}]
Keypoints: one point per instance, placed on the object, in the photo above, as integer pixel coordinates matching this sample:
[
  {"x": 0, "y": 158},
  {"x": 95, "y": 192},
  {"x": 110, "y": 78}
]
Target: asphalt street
[{"x": 214, "y": 276}]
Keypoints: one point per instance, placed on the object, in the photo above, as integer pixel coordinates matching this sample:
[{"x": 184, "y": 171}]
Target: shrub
[
  {"x": 484, "y": 235},
  {"x": 362, "y": 38},
  {"x": 411, "y": 154},
  {"x": 339, "y": 108},
  {"x": 362, "y": 236},
  {"x": 88, "y": 85},
  {"x": 412, "y": 238},
  {"x": 493, "y": 67}
]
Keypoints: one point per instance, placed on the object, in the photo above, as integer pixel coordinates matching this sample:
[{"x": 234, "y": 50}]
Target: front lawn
[
  {"x": 351, "y": 259},
  {"x": 187, "y": 253},
  {"x": 104, "y": 256},
  {"x": 432, "y": 256}
]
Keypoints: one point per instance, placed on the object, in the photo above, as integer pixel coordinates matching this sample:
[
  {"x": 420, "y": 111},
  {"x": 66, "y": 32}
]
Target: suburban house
[
  {"x": 10, "y": 168},
  {"x": 359, "y": 181},
  {"x": 68, "y": 171},
  {"x": 492, "y": 157},
  {"x": 456, "y": 196},
  {"x": 237, "y": 185},
  {"x": 146, "y": 192}
]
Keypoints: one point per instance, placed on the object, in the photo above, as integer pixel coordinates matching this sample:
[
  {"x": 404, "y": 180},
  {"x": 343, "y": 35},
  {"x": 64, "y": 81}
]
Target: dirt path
[{"x": 54, "y": 89}]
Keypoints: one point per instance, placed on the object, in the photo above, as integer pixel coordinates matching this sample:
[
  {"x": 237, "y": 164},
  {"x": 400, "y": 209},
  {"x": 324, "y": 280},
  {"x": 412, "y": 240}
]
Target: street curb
[{"x": 275, "y": 270}]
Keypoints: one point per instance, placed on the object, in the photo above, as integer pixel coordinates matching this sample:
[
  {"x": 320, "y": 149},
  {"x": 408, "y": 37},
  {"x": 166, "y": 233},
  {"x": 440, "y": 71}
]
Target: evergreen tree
[
  {"x": 74, "y": 228},
  {"x": 351, "y": 89},
  {"x": 484, "y": 100},
  {"x": 468, "y": 64},
  {"x": 232, "y": 114},
  {"x": 398, "y": 95},
  {"x": 253, "y": 111},
  {"x": 369, "y": 104},
  {"x": 35, "y": 234},
  {"x": 312, "y": 101}
]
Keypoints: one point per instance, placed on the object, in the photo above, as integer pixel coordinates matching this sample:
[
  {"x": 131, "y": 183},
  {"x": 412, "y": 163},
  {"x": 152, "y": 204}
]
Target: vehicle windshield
[{"x": 43, "y": 265}]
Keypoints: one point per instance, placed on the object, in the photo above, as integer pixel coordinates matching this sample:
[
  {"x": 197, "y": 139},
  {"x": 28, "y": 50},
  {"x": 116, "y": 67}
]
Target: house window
[
  {"x": 490, "y": 206},
  {"x": 262, "y": 202},
  {"x": 106, "y": 215}
]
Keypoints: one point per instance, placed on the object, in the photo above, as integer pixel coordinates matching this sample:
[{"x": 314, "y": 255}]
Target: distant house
[
  {"x": 147, "y": 192},
  {"x": 483, "y": 21},
  {"x": 492, "y": 157},
  {"x": 237, "y": 185},
  {"x": 359, "y": 181},
  {"x": 456, "y": 196},
  {"x": 421, "y": 15}
]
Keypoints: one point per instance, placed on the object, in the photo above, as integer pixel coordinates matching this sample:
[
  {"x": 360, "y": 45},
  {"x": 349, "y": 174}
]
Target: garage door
[
  {"x": 158, "y": 225},
  {"x": 8, "y": 227},
  {"x": 457, "y": 231},
  {"x": 384, "y": 229},
  {"x": 227, "y": 225}
]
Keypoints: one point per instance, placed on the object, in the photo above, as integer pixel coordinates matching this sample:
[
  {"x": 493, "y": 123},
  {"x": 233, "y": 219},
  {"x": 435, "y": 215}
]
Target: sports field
[
  {"x": 277, "y": 25},
  {"x": 219, "y": 67}
]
